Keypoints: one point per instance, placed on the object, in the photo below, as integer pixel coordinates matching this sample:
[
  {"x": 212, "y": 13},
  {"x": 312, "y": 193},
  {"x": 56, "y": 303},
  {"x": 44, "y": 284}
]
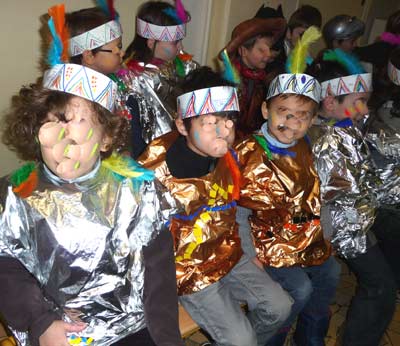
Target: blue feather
[
  {"x": 230, "y": 73},
  {"x": 348, "y": 61},
  {"x": 172, "y": 13},
  {"x": 102, "y": 4},
  {"x": 56, "y": 47}
]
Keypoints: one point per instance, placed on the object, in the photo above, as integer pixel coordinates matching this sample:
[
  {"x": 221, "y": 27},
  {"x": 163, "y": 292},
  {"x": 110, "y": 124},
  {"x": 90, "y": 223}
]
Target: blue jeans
[
  {"x": 313, "y": 289},
  {"x": 216, "y": 308}
]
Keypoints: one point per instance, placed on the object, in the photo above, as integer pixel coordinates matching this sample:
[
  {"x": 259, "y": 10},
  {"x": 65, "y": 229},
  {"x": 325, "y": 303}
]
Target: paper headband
[
  {"x": 297, "y": 83},
  {"x": 160, "y": 33},
  {"x": 94, "y": 38},
  {"x": 393, "y": 73},
  {"x": 356, "y": 83},
  {"x": 82, "y": 81},
  {"x": 206, "y": 101}
]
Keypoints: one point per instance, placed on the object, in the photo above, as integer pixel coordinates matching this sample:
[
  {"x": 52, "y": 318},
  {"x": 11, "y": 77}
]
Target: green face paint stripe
[
  {"x": 77, "y": 165},
  {"x": 61, "y": 134},
  {"x": 66, "y": 150},
  {"x": 94, "y": 150},
  {"x": 90, "y": 134}
]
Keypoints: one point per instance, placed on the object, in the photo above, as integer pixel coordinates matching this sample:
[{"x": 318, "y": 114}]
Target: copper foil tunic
[
  {"x": 207, "y": 244},
  {"x": 284, "y": 196}
]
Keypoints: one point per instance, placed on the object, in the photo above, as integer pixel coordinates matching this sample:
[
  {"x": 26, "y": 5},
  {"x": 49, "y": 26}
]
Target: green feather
[{"x": 22, "y": 174}]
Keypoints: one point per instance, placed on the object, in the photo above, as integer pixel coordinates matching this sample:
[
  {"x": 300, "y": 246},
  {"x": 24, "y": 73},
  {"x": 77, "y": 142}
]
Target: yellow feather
[
  {"x": 121, "y": 166},
  {"x": 297, "y": 60}
]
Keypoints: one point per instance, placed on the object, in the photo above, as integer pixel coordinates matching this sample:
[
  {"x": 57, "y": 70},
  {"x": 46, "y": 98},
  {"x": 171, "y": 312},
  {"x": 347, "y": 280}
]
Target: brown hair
[
  {"x": 152, "y": 12},
  {"x": 304, "y": 17},
  {"x": 393, "y": 23},
  {"x": 82, "y": 21},
  {"x": 29, "y": 111}
]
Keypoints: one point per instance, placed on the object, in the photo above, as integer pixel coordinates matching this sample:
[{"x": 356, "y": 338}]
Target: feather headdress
[
  {"x": 230, "y": 73},
  {"x": 297, "y": 61},
  {"x": 178, "y": 13},
  {"x": 348, "y": 61},
  {"x": 107, "y": 6}
]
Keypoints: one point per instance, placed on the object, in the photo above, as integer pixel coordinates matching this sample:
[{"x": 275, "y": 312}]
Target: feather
[
  {"x": 125, "y": 167},
  {"x": 59, "y": 47},
  {"x": 107, "y": 6},
  {"x": 296, "y": 62},
  {"x": 172, "y": 13},
  {"x": 179, "y": 67},
  {"x": 348, "y": 61},
  {"x": 24, "y": 180},
  {"x": 180, "y": 11},
  {"x": 235, "y": 173},
  {"x": 230, "y": 72}
]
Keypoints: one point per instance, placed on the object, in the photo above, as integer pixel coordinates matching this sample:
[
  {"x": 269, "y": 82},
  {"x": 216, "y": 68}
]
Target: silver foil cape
[
  {"x": 155, "y": 90},
  {"x": 382, "y": 132},
  {"x": 83, "y": 242},
  {"x": 348, "y": 179}
]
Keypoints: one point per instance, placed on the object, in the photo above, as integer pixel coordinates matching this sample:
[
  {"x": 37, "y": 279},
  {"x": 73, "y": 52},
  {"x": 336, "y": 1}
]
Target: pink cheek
[{"x": 50, "y": 134}]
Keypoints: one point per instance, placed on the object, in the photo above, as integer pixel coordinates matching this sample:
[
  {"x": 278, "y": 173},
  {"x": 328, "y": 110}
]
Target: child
[
  {"x": 348, "y": 195},
  {"x": 83, "y": 248},
  {"x": 154, "y": 65},
  {"x": 250, "y": 48},
  {"x": 342, "y": 32},
  {"x": 95, "y": 39},
  {"x": 200, "y": 171},
  {"x": 301, "y": 19},
  {"x": 280, "y": 207}
]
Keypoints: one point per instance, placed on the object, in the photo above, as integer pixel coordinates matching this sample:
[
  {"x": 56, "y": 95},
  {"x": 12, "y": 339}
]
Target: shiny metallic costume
[
  {"x": 284, "y": 196},
  {"x": 83, "y": 242},
  {"x": 348, "y": 182},
  {"x": 207, "y": 245},
  {"x": 155, "y": 89},
  {"x": 382, "y": 132}
]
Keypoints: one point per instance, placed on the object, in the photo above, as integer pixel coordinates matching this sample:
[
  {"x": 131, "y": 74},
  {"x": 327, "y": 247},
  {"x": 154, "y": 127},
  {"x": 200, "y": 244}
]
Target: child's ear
[
  {"x": 150, "y": 43},
  {"x": 288, "y": 34},
  {"x": 242, "y": 51},
  {"x": 180, "y": 126},
  {"x": 106, "y": 143},
  {"x": 264, "y": 110},
  {"x": 87, "y": 58}
]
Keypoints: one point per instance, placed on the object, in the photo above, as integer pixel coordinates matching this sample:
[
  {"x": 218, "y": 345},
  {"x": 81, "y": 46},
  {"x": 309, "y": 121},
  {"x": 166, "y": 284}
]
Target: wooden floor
[{"x": 339, "y": 308}]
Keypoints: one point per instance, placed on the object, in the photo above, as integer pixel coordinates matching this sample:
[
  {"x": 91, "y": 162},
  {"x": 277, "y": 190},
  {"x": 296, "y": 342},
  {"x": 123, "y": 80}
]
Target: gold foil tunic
[
  {"x": 207, "y": 244},
  {"x": 283, "y": 194}
]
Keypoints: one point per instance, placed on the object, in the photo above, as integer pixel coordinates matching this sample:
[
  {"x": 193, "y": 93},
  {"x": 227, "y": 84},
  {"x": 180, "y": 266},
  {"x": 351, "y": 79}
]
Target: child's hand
[{"x": 56, "y": 334}]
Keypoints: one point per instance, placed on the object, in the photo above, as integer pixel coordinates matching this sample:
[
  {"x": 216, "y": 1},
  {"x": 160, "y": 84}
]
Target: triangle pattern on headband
[{"x": 207, "y": 106}]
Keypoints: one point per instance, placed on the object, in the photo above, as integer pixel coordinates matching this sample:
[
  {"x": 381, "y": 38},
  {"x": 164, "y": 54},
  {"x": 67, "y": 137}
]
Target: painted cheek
[
  {"x": 51, "y": 133},
  {"x": 196, "y": 136}
]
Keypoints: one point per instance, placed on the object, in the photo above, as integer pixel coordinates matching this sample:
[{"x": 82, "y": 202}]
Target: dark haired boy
[
  {"x": 250, "y": 50},
  {"x": 200, "y": 170},
  {"x": 280, "y": 207}
]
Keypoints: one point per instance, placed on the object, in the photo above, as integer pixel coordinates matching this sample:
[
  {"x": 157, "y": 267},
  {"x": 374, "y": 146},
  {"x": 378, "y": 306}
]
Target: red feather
[
  {"x": 111, "y": 8},
  {"x": 25, "y": 189},
  {"x": 236, "y": 175}
]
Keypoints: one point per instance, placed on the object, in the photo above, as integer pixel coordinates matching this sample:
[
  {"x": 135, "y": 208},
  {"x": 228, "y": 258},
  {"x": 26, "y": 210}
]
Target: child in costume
[
  {"x": 350, "y": 194},
  {"x": 280, "y": 205},
  {"x": 250, "y": 50},
  {"x": 84, "y": 250},
  {"x": 154, "y": 65},
  {"x": 301, "y": 19},
  {"x": 343, "y": 31},
  {"x": 200, "y": 170}
]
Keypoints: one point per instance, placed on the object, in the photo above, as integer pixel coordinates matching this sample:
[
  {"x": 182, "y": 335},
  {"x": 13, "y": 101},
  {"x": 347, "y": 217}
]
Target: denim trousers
[
  {"x": 372, "y": 307},
  {"x": 217, "y": 308},
  {"x": 313, "y": 289}
]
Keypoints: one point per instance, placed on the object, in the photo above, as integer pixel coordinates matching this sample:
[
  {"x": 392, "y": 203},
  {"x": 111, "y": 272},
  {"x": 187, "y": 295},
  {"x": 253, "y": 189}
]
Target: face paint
[
  {"x": 211, "y": 135},
  {"x": 70, "y": 149}
]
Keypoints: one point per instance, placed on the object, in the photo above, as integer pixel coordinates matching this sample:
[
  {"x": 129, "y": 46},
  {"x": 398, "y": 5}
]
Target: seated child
[
  {"x": 250, "y": 49},
  {"x": 154, "y": 65},
  {"x": 280, "y": 205},
  {"x": 348, "y": 194},
  {"x": 84, "y": 252},
  {"x": 199, "y": 169}
]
